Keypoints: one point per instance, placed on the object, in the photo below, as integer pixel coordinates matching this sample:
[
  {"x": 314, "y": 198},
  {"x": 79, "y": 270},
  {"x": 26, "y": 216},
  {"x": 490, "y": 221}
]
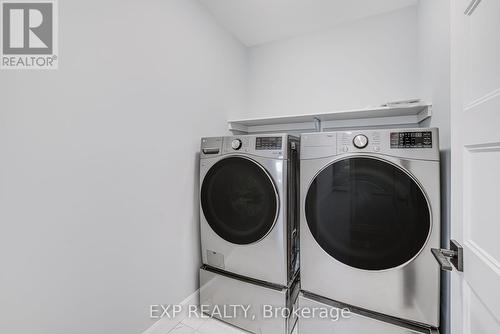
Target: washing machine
[
  {"x": 248, "y": 206},
  {"x": 370, "y": 214}
]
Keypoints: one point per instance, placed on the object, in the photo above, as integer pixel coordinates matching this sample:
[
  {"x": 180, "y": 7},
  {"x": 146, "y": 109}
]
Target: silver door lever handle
[{"x": 449, "y": 257}]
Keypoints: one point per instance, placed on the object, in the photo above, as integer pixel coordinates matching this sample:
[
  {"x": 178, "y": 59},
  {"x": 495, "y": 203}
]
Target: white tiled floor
[
  {"x": 203, "y": 325},
  {"x": 199, "y": 325},
  {"x": 208, "y": 326}
]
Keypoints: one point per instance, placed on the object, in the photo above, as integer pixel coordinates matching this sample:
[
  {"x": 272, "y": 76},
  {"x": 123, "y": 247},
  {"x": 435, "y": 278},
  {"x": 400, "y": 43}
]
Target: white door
[{"x": 475, "y": 91}]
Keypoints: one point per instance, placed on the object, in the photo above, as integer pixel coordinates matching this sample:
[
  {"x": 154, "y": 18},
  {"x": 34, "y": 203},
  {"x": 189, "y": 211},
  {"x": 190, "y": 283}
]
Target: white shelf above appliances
[{"x": 398, "y": 115}]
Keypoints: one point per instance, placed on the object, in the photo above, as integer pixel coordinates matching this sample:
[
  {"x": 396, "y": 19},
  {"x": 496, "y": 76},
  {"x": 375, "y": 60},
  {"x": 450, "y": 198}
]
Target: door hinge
[{"x": 455, "y": 255}]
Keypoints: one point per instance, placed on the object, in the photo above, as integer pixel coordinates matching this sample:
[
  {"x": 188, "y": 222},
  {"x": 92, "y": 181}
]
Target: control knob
[
  {"x": 236, "y": 144},
  {"x": 360, "y": 141}
]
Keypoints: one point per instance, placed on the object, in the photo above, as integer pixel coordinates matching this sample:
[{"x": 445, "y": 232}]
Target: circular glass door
[
  {"x": 367, "y": 213},
  {"x": 239, "y": 200}
]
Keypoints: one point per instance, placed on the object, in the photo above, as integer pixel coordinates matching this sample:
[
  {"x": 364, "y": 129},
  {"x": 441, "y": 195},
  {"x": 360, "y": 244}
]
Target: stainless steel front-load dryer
[
  {"x": 370, "y": 214},
  {"x": 248, "y": 199}
]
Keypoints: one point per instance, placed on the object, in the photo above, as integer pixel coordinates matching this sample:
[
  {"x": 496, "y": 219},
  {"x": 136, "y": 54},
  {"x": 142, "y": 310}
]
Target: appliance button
[
  {"x": 236, "y": 144},
  {"x": 360, "y": 141}
]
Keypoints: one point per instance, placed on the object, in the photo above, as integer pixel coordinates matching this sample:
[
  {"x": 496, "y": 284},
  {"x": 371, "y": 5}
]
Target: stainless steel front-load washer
[
  {"x": 248, "y": 199},
  {"x": 370, "y": 214}
]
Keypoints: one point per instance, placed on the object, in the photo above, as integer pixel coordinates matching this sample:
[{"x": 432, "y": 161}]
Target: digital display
[
  {"x": 411, "y": 139},
  {"x": 268, "y": 143}
]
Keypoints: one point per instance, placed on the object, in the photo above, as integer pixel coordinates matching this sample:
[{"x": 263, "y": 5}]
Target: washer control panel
[
  {"x": 411, "y": 139},
  {"x": 236, "y": 144},
  {"x": 268, "y": 143},
  {"x": 275, "y": 146}
]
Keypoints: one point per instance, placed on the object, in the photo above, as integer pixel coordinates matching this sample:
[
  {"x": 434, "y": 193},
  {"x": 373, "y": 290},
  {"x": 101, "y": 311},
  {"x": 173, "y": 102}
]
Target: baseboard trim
[
  {"x": 164, "y": 325},
  {"x": 193, "y": 299}
]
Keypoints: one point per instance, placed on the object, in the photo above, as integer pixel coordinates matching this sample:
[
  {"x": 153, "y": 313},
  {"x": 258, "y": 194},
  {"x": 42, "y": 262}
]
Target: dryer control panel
[
  {"x": 358, "y": 141},
  {"x": 407, "y": 143}
]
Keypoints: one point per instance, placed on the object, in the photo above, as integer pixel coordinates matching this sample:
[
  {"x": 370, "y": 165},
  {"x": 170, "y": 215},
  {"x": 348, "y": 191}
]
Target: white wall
[
  {"x": 363, "y": 63},
  {"x": 434, "y": 85},
  {"x": 98, "y": 198}
]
